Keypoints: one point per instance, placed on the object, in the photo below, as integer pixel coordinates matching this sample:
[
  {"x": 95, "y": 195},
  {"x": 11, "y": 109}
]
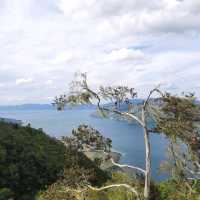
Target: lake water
[{"x": 127, "y": 137}]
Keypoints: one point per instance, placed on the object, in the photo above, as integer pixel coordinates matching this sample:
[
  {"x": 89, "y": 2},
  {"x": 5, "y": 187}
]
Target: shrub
[{"x": 175, "y": 190}]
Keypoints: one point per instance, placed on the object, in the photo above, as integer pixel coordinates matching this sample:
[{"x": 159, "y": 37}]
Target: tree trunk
[{"x": 147, "y": 158}]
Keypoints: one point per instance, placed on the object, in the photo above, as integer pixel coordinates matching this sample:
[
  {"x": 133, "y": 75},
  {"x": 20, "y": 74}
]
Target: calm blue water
[{"x": 127, "y": 137}]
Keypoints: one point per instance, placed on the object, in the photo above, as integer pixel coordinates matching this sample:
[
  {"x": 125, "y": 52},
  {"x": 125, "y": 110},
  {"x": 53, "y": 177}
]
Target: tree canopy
[
  {"x": 85, "y": 136},
  {"x": 29, "y": 160}
]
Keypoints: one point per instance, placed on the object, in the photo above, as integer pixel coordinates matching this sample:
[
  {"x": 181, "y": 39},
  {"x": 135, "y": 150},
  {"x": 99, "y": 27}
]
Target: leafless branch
[
  {"x": 125, "y": 114},
  {"x": 129, "y": 166},
  {"x": 116, "y": 185},
  {"x": 150, "y": 94}
]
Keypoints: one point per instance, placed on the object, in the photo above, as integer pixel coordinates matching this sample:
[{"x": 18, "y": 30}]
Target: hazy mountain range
[
  {"x": 40, "y": 107},
  {"x": 50, "y": 107}
]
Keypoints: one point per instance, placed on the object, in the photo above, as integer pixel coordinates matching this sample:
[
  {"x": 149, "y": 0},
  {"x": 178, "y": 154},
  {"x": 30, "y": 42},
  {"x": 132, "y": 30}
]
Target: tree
[
  {"x": 80, "y": 93},
  {"x": 117, "y": 95},
  {"x": 156, "y": 109},
  {"x": 85, "y": 135},
  {"x": 109, "y": 143},
  {"x": 179, "y": 119}
]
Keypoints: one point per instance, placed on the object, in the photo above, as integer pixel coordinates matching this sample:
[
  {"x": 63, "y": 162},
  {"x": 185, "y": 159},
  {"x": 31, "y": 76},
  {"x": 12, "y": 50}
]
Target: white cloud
[
  {"x": 135, "y": 42},
  {"x": 62, "y": 57},
  {"x": 125, "y": 54},
  {"x": 48, "y": 82},
  {"x": 22, "y": 81},
  {"x": 2, "y": 85}
]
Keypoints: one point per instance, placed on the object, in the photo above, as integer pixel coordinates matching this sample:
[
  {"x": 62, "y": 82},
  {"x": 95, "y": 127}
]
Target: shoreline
[{"x": 108, "y": 164}]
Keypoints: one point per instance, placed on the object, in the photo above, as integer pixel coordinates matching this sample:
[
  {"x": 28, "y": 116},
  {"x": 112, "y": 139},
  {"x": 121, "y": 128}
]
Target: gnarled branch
[
  {"x": 129, "y": 166},
  {"x": 133, "y": 190}
]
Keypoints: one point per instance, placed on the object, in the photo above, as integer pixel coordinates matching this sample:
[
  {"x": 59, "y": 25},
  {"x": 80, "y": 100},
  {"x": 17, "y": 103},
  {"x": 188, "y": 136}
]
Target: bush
[
  {"x": 176, "y": 190},
  {"x": 59, "y": 191},
  {"x": 80, "y": 169},
  {"x": 29, "y": 160}
]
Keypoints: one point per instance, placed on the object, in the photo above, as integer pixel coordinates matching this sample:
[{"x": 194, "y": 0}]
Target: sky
[{"x": 139, "y": 43}]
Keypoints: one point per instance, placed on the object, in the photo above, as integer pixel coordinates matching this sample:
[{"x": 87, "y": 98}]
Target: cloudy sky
[{"x": 140, "y": 43}]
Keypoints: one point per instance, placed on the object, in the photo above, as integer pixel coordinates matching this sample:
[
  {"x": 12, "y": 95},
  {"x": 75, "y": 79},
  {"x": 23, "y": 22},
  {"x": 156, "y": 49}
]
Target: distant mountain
[
  {"x": 79, "y": 107},
  {"x": 11, "y": 121},
  {"x": 41, "y": 107},
  {"x": 27, "y": 107}
]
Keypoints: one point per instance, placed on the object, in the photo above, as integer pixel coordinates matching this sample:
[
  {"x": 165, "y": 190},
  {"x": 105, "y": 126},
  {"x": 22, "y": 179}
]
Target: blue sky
[{"x": 139, "y": 43}]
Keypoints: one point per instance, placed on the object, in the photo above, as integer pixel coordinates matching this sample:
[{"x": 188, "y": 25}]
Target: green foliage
[
  {"x": 168, "y": 190},
  {"x": 29, "y": 160},
  {"x": 175, "y": 190},
  {"x": 86, "y": 136},
  {"x": 98, "y": 161},
  {"x": 80, "y": 170},
  {"x": 179, "y": 120},
  {"x": 60, "y": 191},
  {"x": 80, "y": 93},
  {"x": 57, "y": 191},
  {"x": 110, "y": 194},
  {"x": 117, "y": 95}
]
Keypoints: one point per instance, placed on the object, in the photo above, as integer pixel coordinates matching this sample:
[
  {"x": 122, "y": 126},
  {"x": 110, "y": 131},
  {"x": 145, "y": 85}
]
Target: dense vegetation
[
  {"x": 85, "y": 137},
  {"x": 75, "y": 181},
  {"x": 29, "y": 160},
  {"x": 174, "y": 189},
  {"x": 171, "y": 189},
  {"x": 33, "y": 163},
  {"x": 60, "y": 191}
]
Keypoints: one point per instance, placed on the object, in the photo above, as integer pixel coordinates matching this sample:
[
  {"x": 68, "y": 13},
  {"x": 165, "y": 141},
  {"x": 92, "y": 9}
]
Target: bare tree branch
[
  {"x": 129, "y": 166},
  {"x": 150, "y": 94},
  {"x": 116, "y": 185},
  {"x": 125, "y": 114},
  {"x": 117, "y": 164}
]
